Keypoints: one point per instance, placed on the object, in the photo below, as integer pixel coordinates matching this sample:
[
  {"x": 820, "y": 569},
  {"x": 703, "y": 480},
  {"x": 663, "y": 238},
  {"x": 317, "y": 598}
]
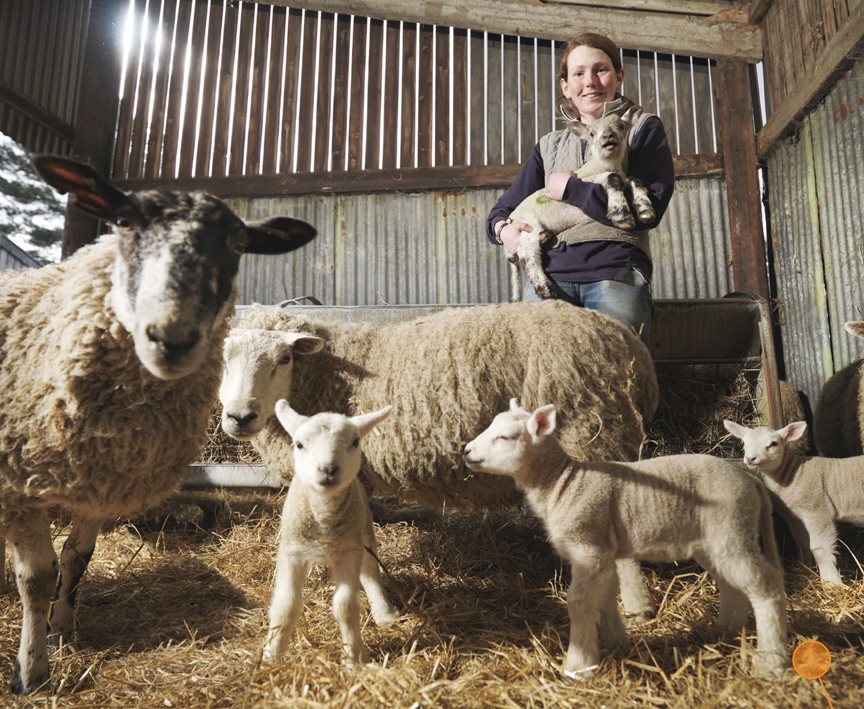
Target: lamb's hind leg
[
  {"x": 638, "y": 604},
  {"x": 617, "y": 209},
  {"x": 76, "y": 554},
  {"x": 734, "y": 605},
  {"x": 530, "y": 256},
  {"x": 35, "y": 574},
  {"x": 370, "y": 578},
  {"x": 641, "y": 201},
  {"x": 823, "y": 539}
]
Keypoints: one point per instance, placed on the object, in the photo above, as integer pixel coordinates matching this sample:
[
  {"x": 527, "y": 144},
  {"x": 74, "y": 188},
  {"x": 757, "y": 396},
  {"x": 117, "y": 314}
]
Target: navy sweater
[{"x": 650, "y": 160}]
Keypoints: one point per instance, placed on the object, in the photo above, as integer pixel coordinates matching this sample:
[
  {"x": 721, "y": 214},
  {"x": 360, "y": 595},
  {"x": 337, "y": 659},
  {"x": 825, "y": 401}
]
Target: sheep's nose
[
  {"x": 749, "y": 461},
  {"x": 328, "y": 471},
  {"x": 241, "y": 420},
  {"x": 169, "y": 346}
]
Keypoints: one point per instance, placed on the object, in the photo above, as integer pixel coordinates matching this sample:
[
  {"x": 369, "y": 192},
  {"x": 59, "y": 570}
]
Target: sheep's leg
[
  {"x": 346, "y": 603},
  {"x": 530, "y": 256},
  {"x": 383, "y": 611},
  {"x": 611, "y": 629},
  {"x": 641, "y": 201},
  {"x": 823, "y": 539},
  {"x": 617, "y": 208},
  {"x": 762, "y": 582},
  {"x": 584, "y": 602},
  {"x": 637, "y": 601},
  {"x": 286, "y": 604},
  {"x": 35, "y": 573},
  {"x": 74, "y": 558},
  {"x": 734, "y": 605}
]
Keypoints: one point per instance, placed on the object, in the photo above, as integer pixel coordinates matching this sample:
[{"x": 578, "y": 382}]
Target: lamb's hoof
[
  {"x": 641, "y": 618},
  {"x": 832, "y": 580},
  {"x": 574, "y": 676},
  {"x": 646, "y": 216},
  {"x": 358, "y": 660},
  {"x": 625, "y": 224},
  {"x": 544, "y": 292},
  {"x": 771, "y": 665},
  {"x": 387, "y": 617},
  {"x": 18, "y": 686}
]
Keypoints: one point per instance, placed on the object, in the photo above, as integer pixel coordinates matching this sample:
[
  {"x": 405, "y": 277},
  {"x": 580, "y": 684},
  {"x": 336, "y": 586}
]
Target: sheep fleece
[
  {"x": 82, "y": 424},
  {"x": 449, "y": 373},
  {"x": 839, "y": 417}
]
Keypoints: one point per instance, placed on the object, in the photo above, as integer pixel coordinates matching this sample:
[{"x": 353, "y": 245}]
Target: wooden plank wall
[{"x": 217, "y": 88}]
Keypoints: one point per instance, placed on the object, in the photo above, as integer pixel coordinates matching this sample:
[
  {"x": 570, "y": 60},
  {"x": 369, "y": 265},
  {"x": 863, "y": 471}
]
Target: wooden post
[
  {"x": 97, "y": 109},
  {"x": 749, "y": 270}
]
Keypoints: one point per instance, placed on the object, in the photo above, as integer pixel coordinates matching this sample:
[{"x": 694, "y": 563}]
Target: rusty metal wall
[
  {"x": 816, "y": 183},
  {"x": 41, "y": 50},
  {"x": 430, "y": 247}
]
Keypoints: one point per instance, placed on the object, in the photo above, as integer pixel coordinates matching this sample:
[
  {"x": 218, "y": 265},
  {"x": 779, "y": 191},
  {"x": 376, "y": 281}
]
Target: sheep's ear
[
  {"x": 278, "y": 235},
  {"x": 736, "y": 429},
  {"x": 303, "y": 343},
  {"x": 542, "y": 422},
  {"x": 793, "y": 431},
  {"x": 631, "y": 114},
  {"x": 289, "y": 418},
  {"x": 579, "y": 129},
  {"x": 89, "y": 191},
  {"x": 855, "y": 327},
  {"x": 366, "y": 422},
  {"x": 514, "y": 406}
]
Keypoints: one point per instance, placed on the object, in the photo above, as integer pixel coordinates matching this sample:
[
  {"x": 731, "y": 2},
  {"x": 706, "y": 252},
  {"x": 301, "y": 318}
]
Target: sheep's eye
[
  {"x": 122, "y": 222},
  {"x": 283, "y": 360},
  {"x": 504, "y": 438},
  {"x": 773, "y": 444},
  {"x": 591, "y": 133},
  {"x": 298, "y": 445},
  {"x": 356, "y": 442}
]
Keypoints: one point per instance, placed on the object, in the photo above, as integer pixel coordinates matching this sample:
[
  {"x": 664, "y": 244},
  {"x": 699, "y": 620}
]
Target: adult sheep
[
  {"x": 109, "y": 366},
  {"x": 445, "y": 375}
]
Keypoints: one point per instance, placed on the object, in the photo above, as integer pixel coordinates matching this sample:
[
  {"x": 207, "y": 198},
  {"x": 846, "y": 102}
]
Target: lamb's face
[
  {"x": 607, "y": 138},
  {"x": 258, "y": 368},
  {"x": 765, "y": 447}
]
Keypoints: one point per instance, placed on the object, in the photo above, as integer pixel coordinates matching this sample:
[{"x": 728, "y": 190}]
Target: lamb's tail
[{"x": 766, "y": 527}]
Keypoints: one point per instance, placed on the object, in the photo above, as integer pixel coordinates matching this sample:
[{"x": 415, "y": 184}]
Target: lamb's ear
[
  {"x": 303, "y": 343},
  {"x": 579, "y": 129},
  {"x": 366, "y": 422},
  {"x": 278, "y": 235},
  {"x": 542, "y": 422},
  {"x": 89, "y": 191},
  {"x": 736, "y": 429},
  {"x": 631, "y": 114},
  {"x": 793, "y": 431},
  {"x": 855, "y": 327},
  {"x": 289, "y": 418},
  {"x": 514, "y": 406}
]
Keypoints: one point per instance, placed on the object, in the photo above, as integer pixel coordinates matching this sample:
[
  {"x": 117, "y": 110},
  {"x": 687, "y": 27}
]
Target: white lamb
[
  {"x": 816, "y": 492},
  {"x": 326, "y": 520},
  {"x": 109, "y": 366},
  {"x": 606, "y": 153},
  {"x": 663, "y": 509}
]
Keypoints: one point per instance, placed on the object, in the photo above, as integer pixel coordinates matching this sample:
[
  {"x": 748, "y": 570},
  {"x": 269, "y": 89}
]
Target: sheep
[
  {"x": 606, "y": 155},
  {"x": 815, "y": 492},
  {"x": 662, "y": 509},
  {"x": 838, "y": 422},
  {"x": 109, "y": 367},
  {"x": 446, "y": 373},
  {"x": 326, "y": 519}
]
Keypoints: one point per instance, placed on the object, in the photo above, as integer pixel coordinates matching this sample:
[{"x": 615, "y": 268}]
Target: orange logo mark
[{"x": 811, "y": 659}]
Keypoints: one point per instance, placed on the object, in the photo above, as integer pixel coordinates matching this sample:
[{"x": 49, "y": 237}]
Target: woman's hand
[
  {"x": 510, "y": 236},
  {"x": 556, "y": 184}
]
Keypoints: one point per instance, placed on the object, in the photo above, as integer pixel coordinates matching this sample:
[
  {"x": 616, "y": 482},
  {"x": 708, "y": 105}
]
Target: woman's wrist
[{"x": 499, "y": 227}]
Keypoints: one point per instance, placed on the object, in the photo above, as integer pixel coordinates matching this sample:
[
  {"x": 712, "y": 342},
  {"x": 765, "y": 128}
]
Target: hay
[
  {"x": 221, "y": 448},
  {"x": 177, "y": 619}
]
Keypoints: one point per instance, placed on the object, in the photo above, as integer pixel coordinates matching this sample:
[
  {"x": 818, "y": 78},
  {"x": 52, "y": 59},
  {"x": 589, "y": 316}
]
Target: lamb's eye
[
  {"x": 503, "y": 438},
  {"x": 356, "y": 442},
  {"x": 773, "y": 444},
  {"x": 591, "y": 133},
  {"x": 122, "y": 222},
  {"x": 298, "y": 445},
  {"x": 284, "y": 359}
]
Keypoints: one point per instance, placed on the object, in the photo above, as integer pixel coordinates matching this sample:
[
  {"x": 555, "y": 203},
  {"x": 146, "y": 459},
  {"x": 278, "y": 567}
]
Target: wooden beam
[
  {"x": 834, "y": 60},
  {"x": 402, "y": 180},
  {"x": 97, "y": 110},
  {"x": 735, "y": 111},
  {"x": 757, "y": 10},
  {"x": 35, "y": 113},
  {"x": 681, "y": 7},
  {"x": 719, "y": 37}
]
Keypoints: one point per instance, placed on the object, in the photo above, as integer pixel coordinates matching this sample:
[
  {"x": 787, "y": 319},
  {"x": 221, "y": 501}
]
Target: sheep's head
[
  {"x": 507, "y": 445},
  {"x": 765, "y": 447},
  {"x": 327, "y": 446},
  {"x": 178, "y": 255},
  {"x": 606, "y": 137},
  {"x": 258, "y": 368}
]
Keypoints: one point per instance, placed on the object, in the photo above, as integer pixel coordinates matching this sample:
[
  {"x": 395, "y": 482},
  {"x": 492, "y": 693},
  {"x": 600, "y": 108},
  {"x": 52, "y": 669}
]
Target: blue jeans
[{"x": 628, "y": 302}]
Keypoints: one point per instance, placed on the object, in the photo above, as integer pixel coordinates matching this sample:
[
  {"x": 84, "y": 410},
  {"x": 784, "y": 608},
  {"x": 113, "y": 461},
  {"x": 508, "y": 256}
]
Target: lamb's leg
[
  {"x": 74, "y": 558},
  {"x": 584, "y": 602},
  {"x": 823, "y": 539},
  {"x": 762, "y": 582},
  {"x": 612, "y": 631},
  {"x": 638, "y": 604},
  {"x": 617, "y": 209},
  {"x": 286, "y": 604},
  {"x": 530, "y": 256},
  {"x": 641, "y": 201},
  {"x": 346, "y": 603},
  {"x": 35, "y": 574},
  {"x": 370, "y": 578},
  {"x": 734, "y": 605}
]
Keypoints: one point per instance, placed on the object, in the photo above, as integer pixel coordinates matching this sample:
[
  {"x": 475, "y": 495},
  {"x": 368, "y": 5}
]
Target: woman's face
[{"x": 591, "y": 81}]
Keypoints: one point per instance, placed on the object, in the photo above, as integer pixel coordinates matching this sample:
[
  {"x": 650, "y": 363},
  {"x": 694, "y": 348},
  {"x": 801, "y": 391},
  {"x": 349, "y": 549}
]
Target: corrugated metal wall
[
  {"x": 816, "y": 188},
  {"x": 12, "y": 257},
  {"x": 430, "y": 247}
]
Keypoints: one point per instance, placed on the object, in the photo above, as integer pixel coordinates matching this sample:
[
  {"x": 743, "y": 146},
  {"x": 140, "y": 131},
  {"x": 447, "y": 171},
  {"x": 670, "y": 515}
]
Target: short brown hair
[{"x": 586, "y": 39}]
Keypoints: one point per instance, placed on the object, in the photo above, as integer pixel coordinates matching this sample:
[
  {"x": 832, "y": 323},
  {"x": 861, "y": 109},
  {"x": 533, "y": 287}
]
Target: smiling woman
[{"x": 608, "y": 268}]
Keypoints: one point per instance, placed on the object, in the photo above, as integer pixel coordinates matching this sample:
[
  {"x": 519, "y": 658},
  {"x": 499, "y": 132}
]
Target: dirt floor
[{"x": 174, "y": 616}]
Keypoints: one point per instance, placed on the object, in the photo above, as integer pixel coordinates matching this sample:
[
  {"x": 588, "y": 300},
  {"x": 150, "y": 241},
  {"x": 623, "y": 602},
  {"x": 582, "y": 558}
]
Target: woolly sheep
[
  {"x": 606, "y": 153},
  {"x": 662, "y": 509},
  {"x": 838, "y": 422},
  {"x": 326, "y": 520},
  {"x": 109, "y": 367},
  {"x": 446, "y": 374},
  {"x": 816, "y": 492}
]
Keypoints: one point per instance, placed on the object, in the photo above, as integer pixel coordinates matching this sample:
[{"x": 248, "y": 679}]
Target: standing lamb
[
  {"x": 606, "y": 152},
  {"x": 838, "y": 422},
  {"x": 446, "y": 374},
  {"x": 815, "y": 492},
  {"x": 326, "y": 520},
  {"x": 109, "y": 367},
  {"x": 662, "y": 509}
]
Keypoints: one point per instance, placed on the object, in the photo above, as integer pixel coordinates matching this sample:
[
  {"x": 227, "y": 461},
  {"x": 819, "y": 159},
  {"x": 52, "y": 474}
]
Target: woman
[{"x": 611, "y": 271}]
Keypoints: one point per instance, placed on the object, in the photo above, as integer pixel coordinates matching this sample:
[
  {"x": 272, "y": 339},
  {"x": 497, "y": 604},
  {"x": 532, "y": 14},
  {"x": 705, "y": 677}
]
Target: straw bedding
[{"x": 176, "y": 618}]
